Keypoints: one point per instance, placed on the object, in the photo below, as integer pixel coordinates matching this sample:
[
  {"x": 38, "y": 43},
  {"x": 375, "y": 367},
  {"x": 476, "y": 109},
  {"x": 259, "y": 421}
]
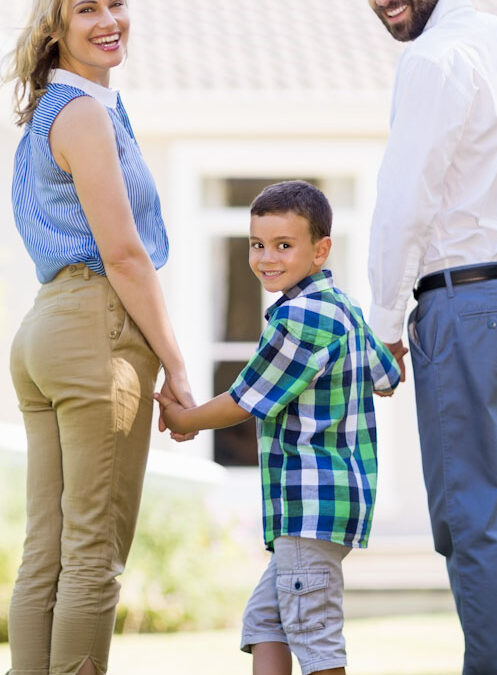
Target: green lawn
[{"x": 415, "y": 645}]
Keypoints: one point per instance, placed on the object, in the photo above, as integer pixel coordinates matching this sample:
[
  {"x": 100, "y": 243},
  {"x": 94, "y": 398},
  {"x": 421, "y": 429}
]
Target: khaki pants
[{"x": 84, "y": 376}]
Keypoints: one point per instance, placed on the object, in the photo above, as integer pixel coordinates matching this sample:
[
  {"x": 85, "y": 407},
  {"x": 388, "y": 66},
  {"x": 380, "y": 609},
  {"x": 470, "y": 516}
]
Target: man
[{"x": 435, "y": 222}]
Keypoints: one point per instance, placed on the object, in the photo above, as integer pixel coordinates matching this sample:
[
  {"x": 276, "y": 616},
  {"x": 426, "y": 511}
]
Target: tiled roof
[
  {"x": 260, "y": 45},
  {"x": 254, "y": 45}
]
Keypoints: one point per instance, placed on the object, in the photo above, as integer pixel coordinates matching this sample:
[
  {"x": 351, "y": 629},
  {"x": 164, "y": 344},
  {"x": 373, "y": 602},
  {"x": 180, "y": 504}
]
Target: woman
[{"x": 85, "y": 359}]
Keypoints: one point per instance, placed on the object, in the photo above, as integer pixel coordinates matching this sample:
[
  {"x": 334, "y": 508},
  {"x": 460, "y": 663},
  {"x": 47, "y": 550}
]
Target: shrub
[{"x": 185, "y": 571}]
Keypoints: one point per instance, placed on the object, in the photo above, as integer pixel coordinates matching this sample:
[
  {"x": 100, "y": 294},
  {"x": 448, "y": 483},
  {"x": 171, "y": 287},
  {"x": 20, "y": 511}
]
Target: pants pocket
[
  {"x": 302, "y": 599},
  {"x": 421, "y": 341}
]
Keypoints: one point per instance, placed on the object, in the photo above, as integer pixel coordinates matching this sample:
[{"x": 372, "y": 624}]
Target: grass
[{"x": 402, "y": 645}]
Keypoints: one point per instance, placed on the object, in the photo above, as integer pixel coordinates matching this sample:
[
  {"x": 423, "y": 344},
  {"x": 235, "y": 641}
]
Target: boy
[{"x": 310, "y": 385}]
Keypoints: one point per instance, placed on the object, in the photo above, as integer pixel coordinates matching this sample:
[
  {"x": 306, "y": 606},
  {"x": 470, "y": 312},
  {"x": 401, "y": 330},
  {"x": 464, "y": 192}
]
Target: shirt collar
[
  {"x": 444, "y": 7},
  {"x": 106, "y": 96},
  {"x": 318, "y": 282}
]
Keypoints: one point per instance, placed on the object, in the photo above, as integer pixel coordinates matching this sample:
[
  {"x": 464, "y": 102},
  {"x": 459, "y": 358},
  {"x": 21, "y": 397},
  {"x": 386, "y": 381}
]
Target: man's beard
[{"x": 404, "y": 31}]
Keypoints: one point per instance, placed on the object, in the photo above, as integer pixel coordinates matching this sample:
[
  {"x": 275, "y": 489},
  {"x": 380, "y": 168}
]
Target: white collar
[
  {"x": 444, "y": 7},
  {"x": 106, "y": 96}
]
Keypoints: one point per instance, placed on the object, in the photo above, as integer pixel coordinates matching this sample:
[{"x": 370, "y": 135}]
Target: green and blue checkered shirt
[{"x": 310, "y": 385}]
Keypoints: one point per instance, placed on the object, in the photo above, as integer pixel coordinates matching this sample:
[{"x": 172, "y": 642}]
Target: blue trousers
[{"x": 453, "y": 341}]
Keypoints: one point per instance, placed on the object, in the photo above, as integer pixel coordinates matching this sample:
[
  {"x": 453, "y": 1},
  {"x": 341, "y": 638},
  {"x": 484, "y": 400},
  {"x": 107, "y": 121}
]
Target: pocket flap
[{"x": 300, "y": 582}]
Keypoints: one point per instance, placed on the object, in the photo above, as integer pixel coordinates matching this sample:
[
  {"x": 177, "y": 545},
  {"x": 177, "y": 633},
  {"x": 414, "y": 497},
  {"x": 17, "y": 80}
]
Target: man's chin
[{"x": 400, "y": 33}]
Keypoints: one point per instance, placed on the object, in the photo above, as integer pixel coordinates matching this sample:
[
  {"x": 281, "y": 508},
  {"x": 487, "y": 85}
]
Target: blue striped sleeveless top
[{"x": 47, "y": 210}]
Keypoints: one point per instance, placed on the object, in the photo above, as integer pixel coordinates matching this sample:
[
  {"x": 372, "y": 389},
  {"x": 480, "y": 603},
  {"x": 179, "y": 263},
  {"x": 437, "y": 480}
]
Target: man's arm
[
  {"x": 219, "y": 412},
  {"x": 428, "y": 115}
]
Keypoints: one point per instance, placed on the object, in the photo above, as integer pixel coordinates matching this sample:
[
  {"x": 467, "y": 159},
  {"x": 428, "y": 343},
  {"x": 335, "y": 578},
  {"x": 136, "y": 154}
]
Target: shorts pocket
[{"x": 302, "y": 599}]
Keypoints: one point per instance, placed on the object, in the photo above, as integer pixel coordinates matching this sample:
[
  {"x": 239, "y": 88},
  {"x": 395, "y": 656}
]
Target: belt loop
[
  {"x": 86, "y": 273},
  {"x": 448, "y": 283}
]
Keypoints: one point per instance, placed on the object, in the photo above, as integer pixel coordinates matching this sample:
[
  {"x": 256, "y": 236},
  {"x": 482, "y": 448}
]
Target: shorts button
[
  {"x": 72, "y": 268},
  {"x": 492, "y": 323},
  {"x": 113, "y": 334},
  {"x": 297, "y": 585}
]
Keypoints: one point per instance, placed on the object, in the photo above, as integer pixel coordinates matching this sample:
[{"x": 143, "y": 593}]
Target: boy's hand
[
  {"x": 165, "y": 399},
  {"x": 170, "y": 416}
]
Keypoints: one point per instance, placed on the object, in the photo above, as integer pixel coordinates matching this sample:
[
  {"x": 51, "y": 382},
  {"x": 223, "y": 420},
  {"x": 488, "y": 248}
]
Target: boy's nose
[{"x": 267, "y": 255}]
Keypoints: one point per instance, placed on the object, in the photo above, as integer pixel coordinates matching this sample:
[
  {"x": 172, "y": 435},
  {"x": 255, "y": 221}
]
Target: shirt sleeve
[
  {"x": 385, "y": 371},
  {"x": 429, "y": 110},
  {"x": 281, "y": 369}
]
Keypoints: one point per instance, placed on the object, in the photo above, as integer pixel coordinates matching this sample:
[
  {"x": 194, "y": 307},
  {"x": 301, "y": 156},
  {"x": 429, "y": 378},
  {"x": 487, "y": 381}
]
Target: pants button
[
  {"x": 113, "y": 334},
  {"x": 492, "y": 323}
]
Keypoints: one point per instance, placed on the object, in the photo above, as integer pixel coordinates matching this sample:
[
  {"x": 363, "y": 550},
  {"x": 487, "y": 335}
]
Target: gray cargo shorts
[{"x": 298, "y": 601}]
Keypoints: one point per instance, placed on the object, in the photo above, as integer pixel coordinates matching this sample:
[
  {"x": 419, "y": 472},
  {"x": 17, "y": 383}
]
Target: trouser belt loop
[
  {"x": 86, "y": 273},
  {"x": 448, "y": 283}
]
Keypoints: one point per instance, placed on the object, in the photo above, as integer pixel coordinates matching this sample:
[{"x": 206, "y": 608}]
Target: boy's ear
[{"x": 322, "y": 250}]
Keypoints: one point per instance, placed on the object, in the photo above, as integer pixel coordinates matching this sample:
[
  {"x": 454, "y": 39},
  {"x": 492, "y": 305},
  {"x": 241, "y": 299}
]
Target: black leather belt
[{"x": 463, "y": 275}]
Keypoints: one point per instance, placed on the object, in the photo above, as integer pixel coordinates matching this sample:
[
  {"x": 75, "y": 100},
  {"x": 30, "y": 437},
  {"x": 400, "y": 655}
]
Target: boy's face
[{"x": 282, "y": 252}]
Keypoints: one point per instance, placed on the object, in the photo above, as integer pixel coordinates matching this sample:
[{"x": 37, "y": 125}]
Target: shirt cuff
[
  {"x": 249, "y": 407},
  {"x": 388, "y": 324}
]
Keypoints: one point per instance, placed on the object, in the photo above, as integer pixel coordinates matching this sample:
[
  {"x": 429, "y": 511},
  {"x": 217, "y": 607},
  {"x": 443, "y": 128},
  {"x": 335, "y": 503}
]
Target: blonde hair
[{"x": 36, "y": 54}]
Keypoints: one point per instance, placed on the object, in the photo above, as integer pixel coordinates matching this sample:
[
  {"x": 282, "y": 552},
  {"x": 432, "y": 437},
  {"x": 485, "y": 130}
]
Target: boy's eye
[
  {"x": 256, "y": 244},
  {"x": 284, "y": 244}
]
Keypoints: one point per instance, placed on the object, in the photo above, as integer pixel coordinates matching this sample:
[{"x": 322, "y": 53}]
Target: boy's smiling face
[{"x": 282, "y": 252}]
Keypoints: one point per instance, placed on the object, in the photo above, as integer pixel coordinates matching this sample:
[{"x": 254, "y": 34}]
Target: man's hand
[{"x": 398, "y": 351}]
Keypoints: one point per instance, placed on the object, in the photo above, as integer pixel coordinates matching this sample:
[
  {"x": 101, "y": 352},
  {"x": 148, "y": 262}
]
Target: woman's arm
[{"x": 83, "y": 143}]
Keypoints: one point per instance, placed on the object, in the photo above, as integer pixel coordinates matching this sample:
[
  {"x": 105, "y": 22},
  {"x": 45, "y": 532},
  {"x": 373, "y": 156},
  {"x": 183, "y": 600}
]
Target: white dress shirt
[{"x": 437, "y": 188}]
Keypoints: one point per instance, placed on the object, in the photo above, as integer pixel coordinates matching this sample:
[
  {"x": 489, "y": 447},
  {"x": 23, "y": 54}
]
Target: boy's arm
[
  {"x": 385, "y": 371},
  {"x": 219, "y": 412}
]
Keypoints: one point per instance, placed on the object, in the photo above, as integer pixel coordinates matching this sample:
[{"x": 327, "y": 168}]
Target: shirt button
[
  {"x": 111, "y": 306},
  {"x": 297, "y": 585},
  {"x": 492, "y": 323},
  {"x": 113, "y": 334}
]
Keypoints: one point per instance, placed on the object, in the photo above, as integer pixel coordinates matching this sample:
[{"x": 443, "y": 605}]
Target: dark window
[
  {"x": 234, "y": 446},
  {"x": 243, "y": 301}
]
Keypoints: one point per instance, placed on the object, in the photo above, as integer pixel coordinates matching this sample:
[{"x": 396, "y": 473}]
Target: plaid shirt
[{"x": 310, "y": 384}]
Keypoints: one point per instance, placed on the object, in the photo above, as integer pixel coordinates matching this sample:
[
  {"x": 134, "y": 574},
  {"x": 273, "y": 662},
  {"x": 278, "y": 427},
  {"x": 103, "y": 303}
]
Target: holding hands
[
  {"x": 170, "y": 412},
  {"x": 399, "y": 351},
  {"x": 175, "y": 394}
]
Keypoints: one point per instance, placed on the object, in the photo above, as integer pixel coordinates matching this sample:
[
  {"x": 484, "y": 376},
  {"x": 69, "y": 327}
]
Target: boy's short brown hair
[{"x": 301, "y": 198}]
